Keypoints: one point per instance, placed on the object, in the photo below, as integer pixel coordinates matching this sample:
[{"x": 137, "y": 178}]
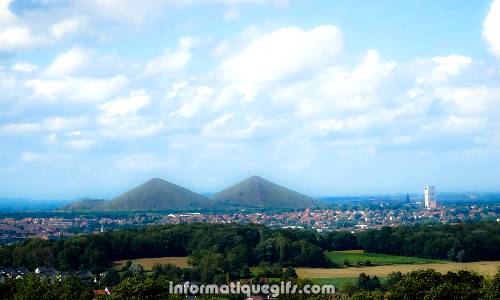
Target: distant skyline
[{"x": 329, "y": 98}]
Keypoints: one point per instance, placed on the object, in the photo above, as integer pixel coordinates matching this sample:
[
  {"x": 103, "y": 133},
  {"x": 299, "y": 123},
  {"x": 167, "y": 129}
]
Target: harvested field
[
  {"x": 484, "y": 267},
  {"x": 149, "y": 262}
]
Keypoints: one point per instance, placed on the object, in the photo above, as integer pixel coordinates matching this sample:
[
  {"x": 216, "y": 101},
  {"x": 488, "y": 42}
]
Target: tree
[
  {"x": 110, "y": 278},
  {"x": 414, "y": 286},
  {"x": 289, "y": 273},
  {"x": 450, "y": 290},
  {"x": 491, "y": 288}
]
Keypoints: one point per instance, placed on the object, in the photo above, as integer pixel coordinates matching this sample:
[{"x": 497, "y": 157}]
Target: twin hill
[
  {"x": 157, "y": 194},
  {"x": 257, "y": 192}
]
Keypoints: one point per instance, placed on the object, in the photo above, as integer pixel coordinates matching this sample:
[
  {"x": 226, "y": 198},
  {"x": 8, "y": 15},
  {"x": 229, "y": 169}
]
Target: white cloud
[
  {"x": 327, "y": 126},
  {"x": 6, "y": 14},
  {"x": 451, "y": 65},
  {"x": 445, "y": 67},
  {"x": 193, "y": 101},
  {"x": 24, "y": 67},
  {"x": 171, "y": 61},
  {"x": 338, "y": 89},
  {"x": 130, "y": 12},
  {"x": 456, "y": 125},
  {"x": 56, "y": 123},
  {"x": 228, "y": 2},
  {"x": 124, "y": 106},
  {"x": 467, "y": 100},
  {"x": 230, "y": 127},
  {"x": 62, "y": 123},
  {"x": 284, "y": 54},
  {"x": 491, "y": 28},
  {"x": 16, "y": 37},
  {"x": 70, "y": 62},
  {"x": 34, "y": 157},
  {"x": 66, "y": 27},
  {"x": 82, "y": 144},
  {"x": 140, "y": 162},
  {"x": 120, "y": 118},
  {"x": 19, "y": 128},
  {"x": 77, "y": 89}
]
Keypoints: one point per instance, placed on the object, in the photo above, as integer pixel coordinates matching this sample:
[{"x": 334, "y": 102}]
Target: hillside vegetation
[
  {"x": 258, "y": 192},
  {"x": 158, "y": 194}
]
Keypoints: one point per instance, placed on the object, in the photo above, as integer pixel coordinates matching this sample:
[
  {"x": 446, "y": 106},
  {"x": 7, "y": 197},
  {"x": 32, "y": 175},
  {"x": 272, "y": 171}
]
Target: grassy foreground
[{"x": 358, "y": 257}]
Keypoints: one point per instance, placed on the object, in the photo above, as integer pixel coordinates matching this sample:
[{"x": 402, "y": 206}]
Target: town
[{"x": 343, "y": 217}]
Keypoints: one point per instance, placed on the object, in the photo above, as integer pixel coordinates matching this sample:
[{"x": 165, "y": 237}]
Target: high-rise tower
[{"x": 430, "y": 197}]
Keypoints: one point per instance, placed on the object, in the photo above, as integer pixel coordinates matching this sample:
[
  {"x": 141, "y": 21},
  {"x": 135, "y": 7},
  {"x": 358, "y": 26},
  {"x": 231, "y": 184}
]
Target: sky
[{"x": 326, "y": 97}]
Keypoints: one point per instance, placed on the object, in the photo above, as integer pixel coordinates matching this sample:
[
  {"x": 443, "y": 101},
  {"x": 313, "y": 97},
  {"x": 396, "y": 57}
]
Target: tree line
[
  {"x": 459, "y": 242},
  {"x": 232, "y": 246},
  {"x": 236, "y": 247}
]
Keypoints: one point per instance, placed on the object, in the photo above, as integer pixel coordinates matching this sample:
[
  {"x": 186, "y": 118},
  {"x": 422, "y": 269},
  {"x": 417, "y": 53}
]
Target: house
[
  {"x": 62, "y": 274},
  {"x": 99, "y": 294},
  {"x": 14, "y": 272},
  {"x": 45, "y": 272},
  {"x": 85, "y": 275},
  {"x": 21, "y": 271}
]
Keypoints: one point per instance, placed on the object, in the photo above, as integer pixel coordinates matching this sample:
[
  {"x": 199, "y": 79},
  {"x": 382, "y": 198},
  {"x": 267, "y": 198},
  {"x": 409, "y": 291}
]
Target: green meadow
[{"x": 360, "y": 258}]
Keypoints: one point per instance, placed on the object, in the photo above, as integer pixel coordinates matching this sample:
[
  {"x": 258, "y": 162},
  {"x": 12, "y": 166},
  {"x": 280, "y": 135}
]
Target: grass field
[
  {"x": 488, "y": 268},
  {"x": 338, "y": 282},
  {"x": 149, "y": 262},
  {"x": 355, "y": 257}
]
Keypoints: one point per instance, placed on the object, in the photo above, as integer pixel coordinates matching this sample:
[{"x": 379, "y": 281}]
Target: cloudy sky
[{"x": 326, "y": 97}]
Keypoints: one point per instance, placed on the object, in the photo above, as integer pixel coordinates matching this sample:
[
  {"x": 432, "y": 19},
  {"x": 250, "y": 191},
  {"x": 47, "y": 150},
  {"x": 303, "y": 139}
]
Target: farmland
[
  {"x": 148, "y": 263},
  {"x": 488, "y": 268},
  {"x": 358, "y": 257}
]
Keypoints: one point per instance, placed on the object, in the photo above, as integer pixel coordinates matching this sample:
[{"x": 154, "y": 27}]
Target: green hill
[
  {"x": 257, "y": 192},
  {"x": 157, "y": 194},
  {"x": 83, "y": 205}
]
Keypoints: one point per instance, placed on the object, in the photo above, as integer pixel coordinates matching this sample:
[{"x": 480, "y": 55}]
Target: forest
[
  {"x": 417, "y": 285},
  {"x": 458, "y": 242},
  {"x": 241, "y": 246},
  {"x": 224, "y": 253}
]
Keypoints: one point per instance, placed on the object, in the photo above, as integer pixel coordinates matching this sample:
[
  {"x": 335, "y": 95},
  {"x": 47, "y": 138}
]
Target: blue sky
[{"x": 326, "y": 97}]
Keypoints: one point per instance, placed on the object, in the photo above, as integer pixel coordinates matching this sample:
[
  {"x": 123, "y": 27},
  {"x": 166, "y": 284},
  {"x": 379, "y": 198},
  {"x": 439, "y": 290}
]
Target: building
[{"x": 430, "y": 197}]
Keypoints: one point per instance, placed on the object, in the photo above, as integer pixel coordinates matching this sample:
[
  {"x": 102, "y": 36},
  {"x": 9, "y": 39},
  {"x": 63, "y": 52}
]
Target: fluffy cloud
[
  {"x": 14, "y": 33},
  {"x": 121, "y": 118},
  {"x": 70, "y": 62},
  {"x": 124, "y": 106},
  {"x": 15, "y": 37},
  {"x": 6, "y": 15},
  {"x": 171, "y": 61},
  {"x": 491, "y": 28},
  {"x": 468, "y": 100},
  {"x": 291, "y": 95},
  {"x": 123, "y": 11},
  {"x": 24, "y": 67},
  {"x": 51, "y": 124},
  {"x": 66, "y": 27},
  {"x": 284, "y": 54},
  {"x": 445, "y": 67},
  {"x": 339, "y": 89},
  {"x": 76, "y": 89},
  {"x": 48, "y": 24}
]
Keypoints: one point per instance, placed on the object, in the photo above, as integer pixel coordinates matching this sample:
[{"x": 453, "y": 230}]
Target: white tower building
[{"x": 430, "y": 197}]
